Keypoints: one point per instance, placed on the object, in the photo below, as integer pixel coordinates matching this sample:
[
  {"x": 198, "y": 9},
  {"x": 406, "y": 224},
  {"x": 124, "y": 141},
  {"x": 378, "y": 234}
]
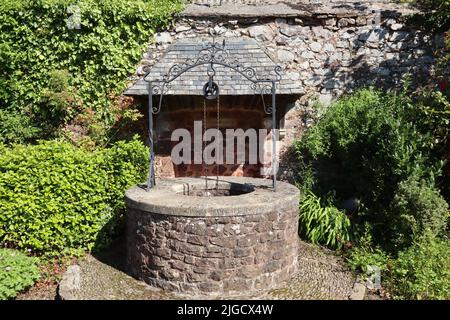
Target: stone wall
[
  {"x": 203, "y": 255},
  {"x": 221, "y": 245},
  {"x": 327, "y": 55},
  {"x": 329, "y": 49}
]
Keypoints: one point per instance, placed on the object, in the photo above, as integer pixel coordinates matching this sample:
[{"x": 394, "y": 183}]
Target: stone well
[{"x": 241, "y": 238}]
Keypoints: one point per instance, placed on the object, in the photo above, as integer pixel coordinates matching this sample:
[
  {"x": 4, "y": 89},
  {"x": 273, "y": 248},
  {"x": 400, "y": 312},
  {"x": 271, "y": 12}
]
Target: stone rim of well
[{"x": 167, "y": 197}]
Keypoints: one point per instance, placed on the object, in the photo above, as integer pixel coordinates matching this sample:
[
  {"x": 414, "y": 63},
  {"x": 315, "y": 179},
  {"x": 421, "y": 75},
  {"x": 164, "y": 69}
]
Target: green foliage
[
  {"x": 58, "y": 104},
  {"x": 17, "y": 272},
  {"x": 433, "y": 109},
  {"x": 432, "y": 98},
  {"x": 16, "y": 127},
  {"x": 386, "y": 151},
  {"x": 423, "y": 270},
  {"x": 432, "y": 104},
  {"x": 433, "y": 15},
  {"x": 415, "y": 208},
  {"x": 37, "y": 49},
  {"x": 365, "y": 254},
  {"x": 57, "y": 199},
  {"x": 363, "y": 147},
  {"x": 322, "y": 222}
]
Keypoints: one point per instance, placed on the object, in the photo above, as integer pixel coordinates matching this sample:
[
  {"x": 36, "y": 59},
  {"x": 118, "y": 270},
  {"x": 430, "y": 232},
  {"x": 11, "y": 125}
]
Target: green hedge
[
  {"x": 17, "y": 273},
  {"x": 36, "y": 43},
  {"x": 58, "y": 199}
]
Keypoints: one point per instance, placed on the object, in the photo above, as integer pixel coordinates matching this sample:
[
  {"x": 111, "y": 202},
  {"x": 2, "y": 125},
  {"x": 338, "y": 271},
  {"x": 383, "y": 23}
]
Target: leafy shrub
[
  {"x": 433, "y": 97},
  {"x": 15, "y": 127},
  {"x": 36, "y": 42},
  {"x": 433, "y": 15},
  {"x": 362, "y": 148},
  {"x": 323, "y": 223},
  {"x": 416, "y": 208},
  {"x": 58, "y": 199},
  {"x": 58, "y": 103},
  {"x": 17, "y": 272},
  {"x": 365, "y": 254},
  {"x": 423, "y": 270},
  {"x": 432, "y": 115}
]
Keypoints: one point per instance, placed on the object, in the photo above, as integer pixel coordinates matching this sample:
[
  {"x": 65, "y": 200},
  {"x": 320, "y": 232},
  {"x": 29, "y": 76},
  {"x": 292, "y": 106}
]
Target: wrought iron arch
[{"x": 213, "y": 54}]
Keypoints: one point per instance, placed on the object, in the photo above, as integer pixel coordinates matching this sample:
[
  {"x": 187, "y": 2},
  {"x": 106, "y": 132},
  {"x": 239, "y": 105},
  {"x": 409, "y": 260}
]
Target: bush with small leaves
[
  {"x": 16, "y": 127},
  {"x": 415, "y": 208},
  {"x": 365, "y": 255},
  {"x": 17, "y": 273},
  {"x": 57, "y": 199},
  {"x": 423, "y": 270}
]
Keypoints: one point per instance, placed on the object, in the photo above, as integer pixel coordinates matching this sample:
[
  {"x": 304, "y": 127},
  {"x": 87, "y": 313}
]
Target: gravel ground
[
  {"x": 321, "y": 275},
  {"x": 41, "y": 291}
]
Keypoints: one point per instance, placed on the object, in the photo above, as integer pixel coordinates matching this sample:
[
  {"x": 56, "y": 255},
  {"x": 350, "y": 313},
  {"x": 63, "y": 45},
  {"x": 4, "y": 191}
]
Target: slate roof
[{"x": 246, "y": 51}]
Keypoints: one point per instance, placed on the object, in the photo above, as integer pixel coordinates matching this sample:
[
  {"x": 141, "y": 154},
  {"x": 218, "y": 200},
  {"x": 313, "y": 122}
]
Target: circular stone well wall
[{"x": 180, "y": 241}]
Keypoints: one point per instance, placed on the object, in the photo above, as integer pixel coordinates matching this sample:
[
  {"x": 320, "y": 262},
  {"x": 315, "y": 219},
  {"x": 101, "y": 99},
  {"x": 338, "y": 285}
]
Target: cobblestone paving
[{"x": 321, "y": 275}]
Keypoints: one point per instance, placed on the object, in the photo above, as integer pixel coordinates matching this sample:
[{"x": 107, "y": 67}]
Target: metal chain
[
  {"x": 205, "y": 165},
  {"x": 217, "y": 142}
]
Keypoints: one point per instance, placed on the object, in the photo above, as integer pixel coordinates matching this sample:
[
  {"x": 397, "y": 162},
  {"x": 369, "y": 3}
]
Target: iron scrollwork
[
  {"x": 157, "y": 89},
  {"x": 263, "y": 88},
  {"x": 215, "y": 53}
]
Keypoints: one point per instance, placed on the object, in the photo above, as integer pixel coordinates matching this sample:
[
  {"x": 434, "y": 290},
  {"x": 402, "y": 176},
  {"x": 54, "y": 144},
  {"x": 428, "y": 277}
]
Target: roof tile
[{"x": 246, "y": 52}]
